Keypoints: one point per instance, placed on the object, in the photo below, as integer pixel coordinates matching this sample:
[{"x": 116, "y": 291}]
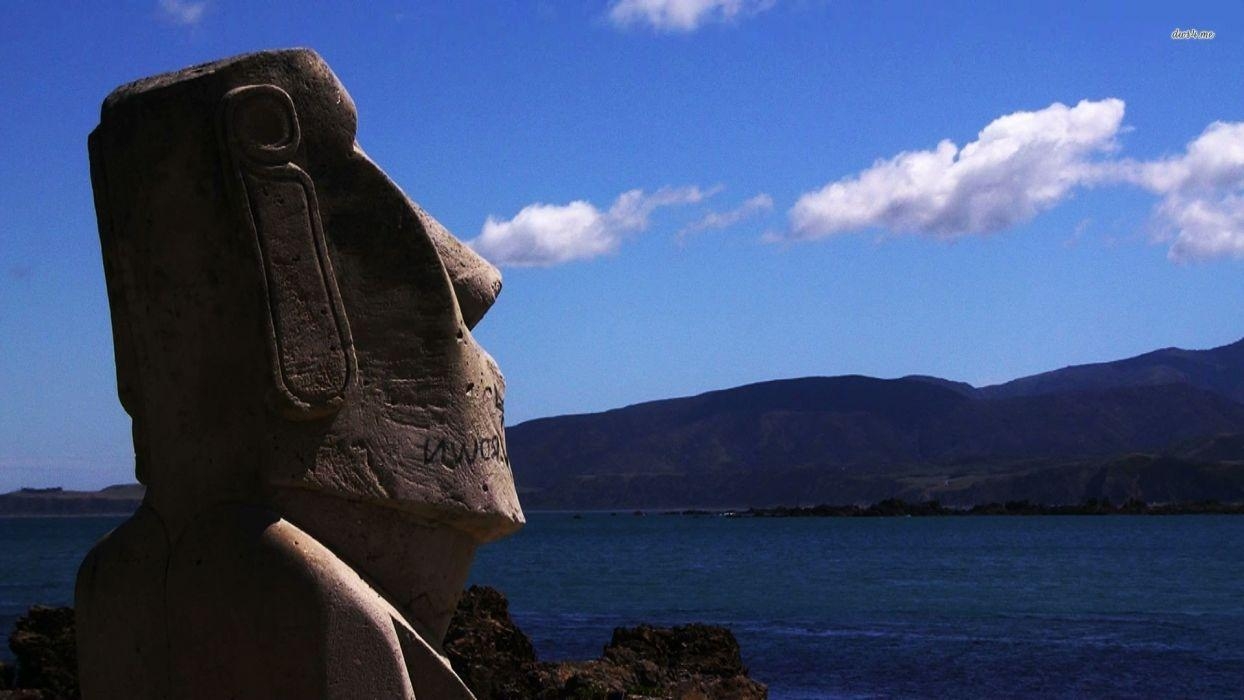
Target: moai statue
[{"x": 320, "y": 435}]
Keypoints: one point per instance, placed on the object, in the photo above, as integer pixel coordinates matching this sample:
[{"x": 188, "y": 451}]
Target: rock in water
[
  {"x": 43, "y": 643},
  {"x": 489, "y": 652},
  {"x": 691, "y": 662}
]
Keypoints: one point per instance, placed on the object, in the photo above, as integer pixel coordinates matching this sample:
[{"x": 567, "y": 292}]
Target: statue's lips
[
  {"x": 482, "y": 524},
  {"x": 433, "y": 446}
]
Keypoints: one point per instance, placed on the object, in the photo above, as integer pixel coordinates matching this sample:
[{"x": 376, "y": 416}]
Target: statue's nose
[{"x": 476, "y": 282}]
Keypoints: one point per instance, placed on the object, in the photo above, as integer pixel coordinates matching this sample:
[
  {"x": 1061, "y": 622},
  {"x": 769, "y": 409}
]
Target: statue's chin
[{"x": 419, "y": 566}]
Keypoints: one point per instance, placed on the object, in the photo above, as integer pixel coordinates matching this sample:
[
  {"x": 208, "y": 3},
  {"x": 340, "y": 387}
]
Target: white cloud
[
  {"x": 541, "y": 235},
  {"x": 682, "y": 15},
  {"x": 1206, "y": 227},
  {"x": 1202, "y": 206},
  {"x": 1019, "y": 165},
  {"x": 1027, "y": 162},
  {"x": 719, "y": 220},
  {"x": 187, "y": 12}
]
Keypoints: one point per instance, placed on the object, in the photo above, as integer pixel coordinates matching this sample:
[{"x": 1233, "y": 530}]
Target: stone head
[{"x": 286, "y": 321}]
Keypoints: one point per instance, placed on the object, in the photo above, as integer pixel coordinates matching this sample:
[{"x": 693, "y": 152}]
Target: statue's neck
[{"x": 419, "y": 567}]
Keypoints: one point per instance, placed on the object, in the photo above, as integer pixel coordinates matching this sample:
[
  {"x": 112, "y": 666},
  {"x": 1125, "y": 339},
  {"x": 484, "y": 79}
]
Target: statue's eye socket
[
  {"x": 264, "y": 120},
  {"x": 264, "y": 123}
]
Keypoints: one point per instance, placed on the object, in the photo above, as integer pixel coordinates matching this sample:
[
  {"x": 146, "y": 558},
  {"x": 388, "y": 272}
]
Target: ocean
[{"x": 1043, "y": 606}]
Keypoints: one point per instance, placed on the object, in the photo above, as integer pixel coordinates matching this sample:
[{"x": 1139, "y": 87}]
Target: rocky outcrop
[
  {"x": 47, "y": 668},
  {"x": 690, "y": 662},
  {"x": 486, "y": 648},
  {"x": 491, "y": 655}
]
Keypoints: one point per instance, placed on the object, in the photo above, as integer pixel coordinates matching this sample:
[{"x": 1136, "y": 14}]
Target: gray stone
[{"x": 320, "y": 436}]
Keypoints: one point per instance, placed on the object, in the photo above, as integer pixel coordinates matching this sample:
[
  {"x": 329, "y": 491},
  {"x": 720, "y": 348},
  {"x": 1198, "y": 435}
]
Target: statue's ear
[{"x": 309, "y": 342}]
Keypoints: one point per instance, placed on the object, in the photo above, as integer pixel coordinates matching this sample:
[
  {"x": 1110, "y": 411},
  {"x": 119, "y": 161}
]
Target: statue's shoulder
[
  {"x": 257, "y": 608},
  {"x": 124, "y": 557},
  {"x": 122, "y": 635}
]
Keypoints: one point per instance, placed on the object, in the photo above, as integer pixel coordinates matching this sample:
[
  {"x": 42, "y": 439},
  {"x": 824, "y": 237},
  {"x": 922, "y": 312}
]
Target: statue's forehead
[
  {"x": 163, "y": 81},
  {"x": 191, "y": 92}
]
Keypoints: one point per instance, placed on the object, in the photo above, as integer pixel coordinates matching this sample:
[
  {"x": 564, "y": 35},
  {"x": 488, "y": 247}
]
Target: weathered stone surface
[
  {"x": 690, "y": 662},
  {"x": 320, "y": 435}
]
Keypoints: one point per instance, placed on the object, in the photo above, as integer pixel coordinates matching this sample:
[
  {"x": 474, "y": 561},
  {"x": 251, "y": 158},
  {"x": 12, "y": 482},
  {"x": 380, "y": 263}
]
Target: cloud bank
[
  {"x": 682, "y": 15},
  {"x": 541, "y": 235},
  {"x": 1025, "y": 163},
  {"x": 1018, "y": 166},
  {"x": 1201, "y": 211}
]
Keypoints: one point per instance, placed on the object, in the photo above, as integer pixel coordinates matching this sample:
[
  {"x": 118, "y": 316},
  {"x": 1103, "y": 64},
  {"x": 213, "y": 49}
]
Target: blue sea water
[{"x": 1119, "y": 606}]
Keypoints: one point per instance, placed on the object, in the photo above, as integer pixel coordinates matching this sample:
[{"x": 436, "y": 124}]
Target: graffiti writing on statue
[{"x": 452, "y": 453}]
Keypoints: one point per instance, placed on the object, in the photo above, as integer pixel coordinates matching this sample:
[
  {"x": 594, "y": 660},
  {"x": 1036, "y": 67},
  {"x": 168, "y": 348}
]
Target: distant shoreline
[
  {"x": 40, "y": 516},
  {"x": 120, "y": 501},
  {"x": 898, "y": 508},
  {"x": 56, "y": 502}
]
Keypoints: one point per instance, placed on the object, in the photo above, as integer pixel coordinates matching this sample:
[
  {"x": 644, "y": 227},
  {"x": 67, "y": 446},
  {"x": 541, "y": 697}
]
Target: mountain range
[{"x": 1164, "y": 426}]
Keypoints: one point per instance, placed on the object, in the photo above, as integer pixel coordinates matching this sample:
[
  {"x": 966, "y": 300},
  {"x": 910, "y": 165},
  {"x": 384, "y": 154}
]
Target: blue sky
[{"x": 687, "y": 195}]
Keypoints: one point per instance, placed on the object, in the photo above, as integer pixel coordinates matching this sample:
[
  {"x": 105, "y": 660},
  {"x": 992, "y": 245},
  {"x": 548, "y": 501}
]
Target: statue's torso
[{"x": 244, "y": 605}]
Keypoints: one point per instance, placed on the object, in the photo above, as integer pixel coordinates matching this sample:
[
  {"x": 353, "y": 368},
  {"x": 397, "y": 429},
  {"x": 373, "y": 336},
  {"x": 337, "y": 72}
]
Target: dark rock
[
  {"x": 43, "y": 644},
  {"x": 488, "y": 651},
  {"x": 496, "y": 660},
  {"x": 691, "y": 649},
  {"x": 686, "y": 662}
]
